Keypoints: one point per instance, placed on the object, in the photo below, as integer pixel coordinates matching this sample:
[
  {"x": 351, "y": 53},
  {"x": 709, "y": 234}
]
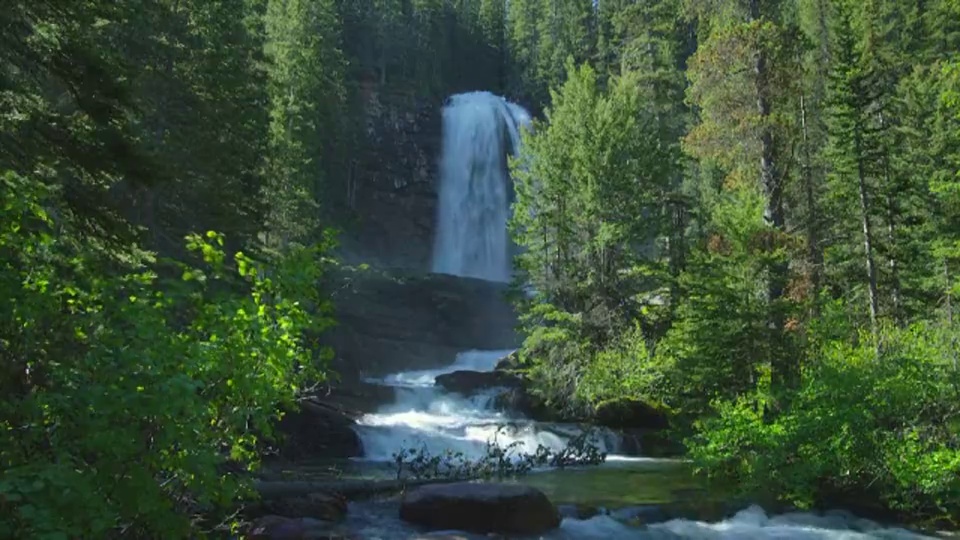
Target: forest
[{"x": 742, "y": 213}]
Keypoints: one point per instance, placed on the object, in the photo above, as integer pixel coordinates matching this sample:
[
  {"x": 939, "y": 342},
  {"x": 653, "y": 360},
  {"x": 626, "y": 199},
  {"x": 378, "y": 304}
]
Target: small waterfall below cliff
[
  {"x": 425, "y": 415},
  {"x": 479, "y": 130}
]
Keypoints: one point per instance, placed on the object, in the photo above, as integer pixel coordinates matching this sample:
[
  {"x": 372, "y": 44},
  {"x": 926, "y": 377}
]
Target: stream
[{"x": 627, "y": 490}]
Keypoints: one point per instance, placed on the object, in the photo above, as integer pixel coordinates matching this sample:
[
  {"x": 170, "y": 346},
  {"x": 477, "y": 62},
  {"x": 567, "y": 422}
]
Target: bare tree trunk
[
  {"x": 867, "y": 232},
  {"x": 814, "y": 251},
  {"x": 892, "y": 234}
]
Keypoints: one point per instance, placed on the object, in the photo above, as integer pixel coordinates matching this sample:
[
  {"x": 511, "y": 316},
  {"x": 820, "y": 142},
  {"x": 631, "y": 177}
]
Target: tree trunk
[
  {"x": 783, "y": 369},
  {"x": 814, "y": 251},
  {"x": 867, "y": 231}
]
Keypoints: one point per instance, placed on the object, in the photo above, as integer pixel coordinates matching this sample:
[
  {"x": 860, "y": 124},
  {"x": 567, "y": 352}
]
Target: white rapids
[{"x": 425, "y": 415}]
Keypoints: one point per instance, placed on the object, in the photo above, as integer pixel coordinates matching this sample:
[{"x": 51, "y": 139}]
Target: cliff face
[
  {"x": 397, "y": 316},
  {"x": 391, "y": 322},
  {"x": 392, "y": 189}
]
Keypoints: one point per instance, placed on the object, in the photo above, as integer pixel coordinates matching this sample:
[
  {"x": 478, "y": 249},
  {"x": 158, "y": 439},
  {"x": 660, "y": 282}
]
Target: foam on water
[
  {"x": 424, "y": 415},
  {"x": 751, "y": 523},
  {"x": 379, "y": 520}
]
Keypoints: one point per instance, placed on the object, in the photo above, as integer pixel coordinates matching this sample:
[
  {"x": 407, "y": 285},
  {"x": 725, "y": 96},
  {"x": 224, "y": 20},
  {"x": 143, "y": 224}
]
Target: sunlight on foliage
[{"x": 127, "y": 393}]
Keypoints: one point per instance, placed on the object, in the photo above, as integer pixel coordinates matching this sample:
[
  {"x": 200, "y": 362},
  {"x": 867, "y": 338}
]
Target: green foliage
[
  {"x": 125, "y": 391},
  {"x": 861, "y": 425},
  {"x": 589, "y": 198},
  {"x": 498, "y": 461},
  {"x": 306, "y": 96},
  {"x": 720, "y": 342},
  {"x": 624, "y": 369}
]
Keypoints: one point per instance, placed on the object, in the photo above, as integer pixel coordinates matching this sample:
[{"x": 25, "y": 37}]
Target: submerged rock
[
  {"x": 630, "y": 414},
  {"x": 578, "y": 511},
  {"x": 285, "y": 528},
  {"x": 470, "y": 382},
  {"x": 318, "y": 506},
  {"x": 480, "y": 508}
]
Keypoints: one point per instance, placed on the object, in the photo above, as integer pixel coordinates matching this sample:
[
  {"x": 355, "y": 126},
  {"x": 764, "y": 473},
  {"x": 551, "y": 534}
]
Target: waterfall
[{"x": 479, "y": 130}]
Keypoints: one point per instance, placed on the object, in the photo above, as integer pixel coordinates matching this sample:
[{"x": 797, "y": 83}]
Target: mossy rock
[{"x": 626, "y": 413}]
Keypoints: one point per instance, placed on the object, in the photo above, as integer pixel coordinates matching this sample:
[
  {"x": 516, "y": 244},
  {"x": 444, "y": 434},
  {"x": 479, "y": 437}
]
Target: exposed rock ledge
[{"x": 389, "y": 321}]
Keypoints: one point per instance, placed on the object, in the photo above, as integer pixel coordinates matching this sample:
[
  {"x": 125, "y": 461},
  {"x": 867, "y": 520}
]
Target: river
[{"x": 626, "y": 490}]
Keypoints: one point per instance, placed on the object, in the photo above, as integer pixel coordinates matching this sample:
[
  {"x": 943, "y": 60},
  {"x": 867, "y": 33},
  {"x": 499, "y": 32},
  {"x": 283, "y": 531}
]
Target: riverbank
[{"x": 639, "y": 498}]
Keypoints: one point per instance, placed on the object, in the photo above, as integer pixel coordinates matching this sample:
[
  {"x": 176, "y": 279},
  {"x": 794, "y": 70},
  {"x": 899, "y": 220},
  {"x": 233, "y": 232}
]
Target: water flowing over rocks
[
  {"x": 471, "y": 382},
  {"x": 481, "y": 508}
]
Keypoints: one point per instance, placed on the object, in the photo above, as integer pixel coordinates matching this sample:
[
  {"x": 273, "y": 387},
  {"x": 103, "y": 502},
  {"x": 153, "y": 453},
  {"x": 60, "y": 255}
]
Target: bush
[
  {"x": 125, "y": 393},
  {"x": 864, "y": 424}
]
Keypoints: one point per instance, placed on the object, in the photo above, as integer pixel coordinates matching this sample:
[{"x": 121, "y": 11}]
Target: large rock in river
[
  {"x": 480, "y": 508},
  {"x": 318, "y": 430},
  {"x": 469, "y": 382}
]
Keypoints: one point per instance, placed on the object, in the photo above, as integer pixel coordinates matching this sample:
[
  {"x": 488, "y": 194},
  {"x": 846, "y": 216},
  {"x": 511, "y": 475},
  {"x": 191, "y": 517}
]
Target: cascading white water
[
  {"x": 426, "y": 415},
  {"x": 479, "y": 130}
]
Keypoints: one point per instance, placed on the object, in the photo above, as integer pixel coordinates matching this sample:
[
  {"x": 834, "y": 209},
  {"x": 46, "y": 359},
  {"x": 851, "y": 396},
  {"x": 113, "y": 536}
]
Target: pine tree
[
  {"x": 589, "y": 193},
  {"x": 743, "y": 78},
  {"x": 306, "y": 92}
]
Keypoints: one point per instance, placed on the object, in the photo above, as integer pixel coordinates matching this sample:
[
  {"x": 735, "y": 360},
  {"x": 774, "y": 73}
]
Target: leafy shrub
[
  {"x": 498, "y": 461},
  {"x": 883, "y": 425},
  {"x": 626, "y": 369},
  {"x": 125, "y": 393}
]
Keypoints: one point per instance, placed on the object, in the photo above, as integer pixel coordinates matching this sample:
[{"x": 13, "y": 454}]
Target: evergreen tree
[
  {"x": 589, "y": 194},
  {"x": 743, "y": 78},
  {"x": 306, "y": 95}
]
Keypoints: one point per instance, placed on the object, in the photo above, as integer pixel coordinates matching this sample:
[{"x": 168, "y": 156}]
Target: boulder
[
  {"x": 318, "y": 430},
  {"x": 649, "y": 443},
  {"x": 518, "y": 401},
  {"x": 578, "y": 511},
  {"x": 509, "y": 362},
  {"x": 480, "y": 508},
  {"x": 285, "y": 528},
  {"x": 319, "y": 506},
  {"x": 470, "y": 382},
  {"x": 630, "y": 414}
]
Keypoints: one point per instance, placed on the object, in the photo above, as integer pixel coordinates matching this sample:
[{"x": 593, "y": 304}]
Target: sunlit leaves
[{"x": 120, "y": 411}]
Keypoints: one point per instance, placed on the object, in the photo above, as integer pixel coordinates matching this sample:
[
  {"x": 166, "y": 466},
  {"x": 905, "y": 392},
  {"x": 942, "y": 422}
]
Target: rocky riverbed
[{"x": 640, "y": 499}]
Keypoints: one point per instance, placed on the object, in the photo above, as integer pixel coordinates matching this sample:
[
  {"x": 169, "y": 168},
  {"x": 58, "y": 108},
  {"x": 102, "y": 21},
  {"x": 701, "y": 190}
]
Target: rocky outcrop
[
  {"x": 480, "y": 508},
  {"x": 394, "y": 321},
  {"x": 470, "y": 382},
  {"x": 391, "y": 192},
  {"x": 318, "y": 430},
  {"x": 510, "y": 362},
  {"x": 630, "y": 414},
  {"x": 518, "y": 401}
]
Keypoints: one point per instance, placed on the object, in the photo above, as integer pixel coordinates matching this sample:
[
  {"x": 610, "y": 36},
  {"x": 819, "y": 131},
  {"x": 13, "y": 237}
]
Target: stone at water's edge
[
  {"x": 470, "y": 382},
  {"x": 480, "y": 508},
  {"x": 318, "y": 430},
  {"x": 630, "y": 414}
]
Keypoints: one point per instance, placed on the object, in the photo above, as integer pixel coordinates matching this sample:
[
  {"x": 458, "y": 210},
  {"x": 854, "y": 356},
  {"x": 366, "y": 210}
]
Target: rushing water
[
  {"x": 479, "y": 130},
  {"x": 628, "y": 490},
  {"x": 425, "y": 415}
]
